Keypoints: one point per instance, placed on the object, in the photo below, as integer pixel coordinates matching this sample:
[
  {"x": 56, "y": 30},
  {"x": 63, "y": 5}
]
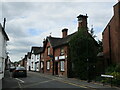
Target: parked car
[
  {"x": 19, "y": 72},
  {"x": 12, "y": 68}
]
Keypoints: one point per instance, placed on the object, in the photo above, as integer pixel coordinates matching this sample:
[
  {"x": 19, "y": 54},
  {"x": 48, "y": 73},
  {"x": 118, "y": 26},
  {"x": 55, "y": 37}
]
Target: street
[
  {"x": 38, "y": 80},
  {"x": 35, "y": 80}
]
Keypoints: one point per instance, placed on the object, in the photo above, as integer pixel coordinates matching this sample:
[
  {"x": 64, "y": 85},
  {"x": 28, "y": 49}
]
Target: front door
[{"x": 56, "y": 68}]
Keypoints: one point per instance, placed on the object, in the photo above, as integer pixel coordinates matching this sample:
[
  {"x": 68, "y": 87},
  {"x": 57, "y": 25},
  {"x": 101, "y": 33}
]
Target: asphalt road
[{"x": 35, "y": 80}]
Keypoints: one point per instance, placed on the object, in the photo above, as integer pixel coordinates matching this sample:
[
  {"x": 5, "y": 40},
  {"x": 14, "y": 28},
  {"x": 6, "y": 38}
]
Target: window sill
[
  {"x": 62, "y": 71},
  {"x": 48, "y": 69}
]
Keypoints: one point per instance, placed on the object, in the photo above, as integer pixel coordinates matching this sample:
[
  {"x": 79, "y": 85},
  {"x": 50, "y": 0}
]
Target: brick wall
[
  {"x": 114, "y": 28},
  {"x": 57, "y": 54},
  {"x": 47, "y": 58}
]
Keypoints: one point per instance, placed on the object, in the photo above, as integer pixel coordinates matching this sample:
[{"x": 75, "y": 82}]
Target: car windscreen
[{"x": 20, "y": 68}]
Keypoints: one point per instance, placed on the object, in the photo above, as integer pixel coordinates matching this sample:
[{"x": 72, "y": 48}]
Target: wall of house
[
  {"x": 47, "y": 58},
  {"x": 38, "y": 64},
  {"x": 42, "y": 63},
  {"x": 28, "y": 63},
  {"x": 59, "y": 58},
  {"x": 114, "y": 25},
  {"x": 3, "y": 54},
  {"x": 32, "y": 62}
]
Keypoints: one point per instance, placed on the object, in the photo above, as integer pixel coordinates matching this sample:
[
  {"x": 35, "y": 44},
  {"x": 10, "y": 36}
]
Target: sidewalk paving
[{"x": 92, "y": 85}]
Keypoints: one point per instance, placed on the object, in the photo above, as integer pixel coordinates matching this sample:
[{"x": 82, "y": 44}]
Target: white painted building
[
  {"x": 28, "y": 61},
  {"x": 3, "y": 52},
  {"x": 35, "y": 58}
]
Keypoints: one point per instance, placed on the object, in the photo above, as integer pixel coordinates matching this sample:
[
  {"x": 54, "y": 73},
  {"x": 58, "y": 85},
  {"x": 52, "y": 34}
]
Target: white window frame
[
  {"x": 41, "y": 65},
  {"x": 48, "y": 65},
  {"x": 62, "y": 65}
]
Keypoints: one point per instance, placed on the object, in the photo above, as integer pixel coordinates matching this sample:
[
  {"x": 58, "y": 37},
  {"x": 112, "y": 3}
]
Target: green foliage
[
  {"x": 113, "y": 70},
  {"x": 100, "y": 46},
  {"x": 82, "y": 47},
  {"x": 110, "y": 69}
]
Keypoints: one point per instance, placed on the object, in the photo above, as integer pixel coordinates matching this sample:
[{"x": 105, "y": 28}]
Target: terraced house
[{"x": 55, "y": 54}]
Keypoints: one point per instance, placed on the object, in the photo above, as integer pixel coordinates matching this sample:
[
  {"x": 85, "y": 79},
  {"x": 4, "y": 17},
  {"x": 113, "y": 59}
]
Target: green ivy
[{"x": 82, "y": 47}]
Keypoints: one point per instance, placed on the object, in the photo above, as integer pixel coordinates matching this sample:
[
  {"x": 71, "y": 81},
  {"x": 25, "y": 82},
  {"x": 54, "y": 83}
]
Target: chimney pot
[
  {"x": 64, "y": 32},
  {"x": 82, "y": 21}
]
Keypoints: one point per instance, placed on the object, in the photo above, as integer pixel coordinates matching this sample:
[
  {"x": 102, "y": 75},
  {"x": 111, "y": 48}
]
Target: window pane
[
  {"x": 62, "y": 51},
  {"x": 48, "y": 50},
  {"x": 62, "y": 65},
  {"x": 48, "y": 65}
]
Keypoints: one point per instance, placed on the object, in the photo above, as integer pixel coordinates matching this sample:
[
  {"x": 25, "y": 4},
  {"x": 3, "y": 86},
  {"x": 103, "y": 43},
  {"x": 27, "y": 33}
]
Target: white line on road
[
  {"x": 20, "y": 80},
  {"x": 19, "y": 85}
]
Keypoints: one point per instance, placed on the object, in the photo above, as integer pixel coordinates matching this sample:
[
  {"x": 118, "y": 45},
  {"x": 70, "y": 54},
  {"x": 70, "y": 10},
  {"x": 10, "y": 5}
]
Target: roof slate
[
  {"x": 36, "y": 50},
  {"x": 55, "y": 42}
]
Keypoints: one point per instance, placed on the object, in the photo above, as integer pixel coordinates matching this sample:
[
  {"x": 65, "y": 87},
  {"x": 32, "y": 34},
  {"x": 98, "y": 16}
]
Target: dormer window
[{"x": 48, "y": 50}]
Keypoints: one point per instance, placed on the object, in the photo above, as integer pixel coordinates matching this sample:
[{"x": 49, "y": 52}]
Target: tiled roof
[
  {"x": 36, "y": 50},
  {"x": 29, "y": 55},
  {"x": 55, "y": 42}
]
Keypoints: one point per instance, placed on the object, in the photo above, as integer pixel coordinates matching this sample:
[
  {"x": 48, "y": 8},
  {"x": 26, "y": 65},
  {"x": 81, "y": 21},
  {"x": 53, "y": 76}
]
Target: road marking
[
  {"x": 74, "y": 84},
  {"x": 20, "y": 80},
  {"x": 19, "y": 85}
]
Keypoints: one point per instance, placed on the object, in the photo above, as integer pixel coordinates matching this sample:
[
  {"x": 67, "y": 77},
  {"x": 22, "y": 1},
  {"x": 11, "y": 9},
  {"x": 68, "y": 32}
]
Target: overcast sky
[{"x": 28, "y": 23}]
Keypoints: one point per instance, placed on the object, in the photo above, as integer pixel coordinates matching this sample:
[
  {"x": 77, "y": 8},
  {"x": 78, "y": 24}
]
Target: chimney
[
  {"x": 82, "y": 21},
  {"x": 64, "y": 32},
  {"x": 4, "y": 23},
  {"x": 44, "y": 42}
]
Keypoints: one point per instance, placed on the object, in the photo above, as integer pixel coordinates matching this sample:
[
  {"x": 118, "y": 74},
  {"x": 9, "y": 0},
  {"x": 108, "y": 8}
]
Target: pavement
[{"x": 8, "y": 82}]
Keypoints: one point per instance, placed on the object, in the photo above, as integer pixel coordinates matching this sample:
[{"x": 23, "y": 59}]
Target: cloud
[{"x": 28, "y": 23}]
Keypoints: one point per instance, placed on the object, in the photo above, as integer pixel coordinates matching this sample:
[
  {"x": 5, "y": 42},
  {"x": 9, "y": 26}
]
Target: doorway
[{"x": 56, "y": 68}]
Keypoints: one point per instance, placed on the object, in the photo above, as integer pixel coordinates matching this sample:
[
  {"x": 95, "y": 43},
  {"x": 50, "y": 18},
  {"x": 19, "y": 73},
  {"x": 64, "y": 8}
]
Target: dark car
[
  {"x": 19, "y": 72},
  {"x": 12, "y": 69}
]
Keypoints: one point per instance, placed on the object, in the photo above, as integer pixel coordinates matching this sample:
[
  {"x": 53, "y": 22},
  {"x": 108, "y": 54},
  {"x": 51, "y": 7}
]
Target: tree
[
  {"x": 100, "y": 46},
  {"x": 92, "y": 32},
  {"x": 83, "y": 52}
]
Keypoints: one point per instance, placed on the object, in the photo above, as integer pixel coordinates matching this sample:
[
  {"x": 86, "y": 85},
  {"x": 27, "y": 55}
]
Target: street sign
[{"x": 109, "y": 76}]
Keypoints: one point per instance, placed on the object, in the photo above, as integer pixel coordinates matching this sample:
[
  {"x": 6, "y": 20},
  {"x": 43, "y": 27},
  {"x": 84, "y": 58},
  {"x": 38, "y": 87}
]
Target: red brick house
[
  {"x": 56, "y": 51},
  {"x": 111, "y": 38}
]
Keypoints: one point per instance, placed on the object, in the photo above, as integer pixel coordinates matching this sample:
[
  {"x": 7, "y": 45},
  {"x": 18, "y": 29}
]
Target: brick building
[
  {"x": 111, "y": 38},
  {"x": 54, "y": 57}
]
